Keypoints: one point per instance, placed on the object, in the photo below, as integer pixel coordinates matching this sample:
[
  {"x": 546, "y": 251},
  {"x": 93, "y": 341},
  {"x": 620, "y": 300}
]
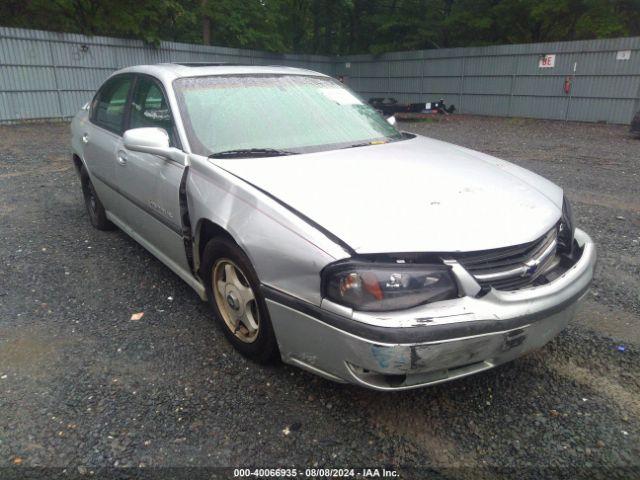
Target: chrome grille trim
[
  {"x": 519, "y": 271},
  {"x": 512, "y": 268}
]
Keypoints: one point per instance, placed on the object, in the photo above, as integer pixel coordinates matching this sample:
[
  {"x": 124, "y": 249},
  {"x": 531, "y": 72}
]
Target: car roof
[{"x": 170, "y": 71}]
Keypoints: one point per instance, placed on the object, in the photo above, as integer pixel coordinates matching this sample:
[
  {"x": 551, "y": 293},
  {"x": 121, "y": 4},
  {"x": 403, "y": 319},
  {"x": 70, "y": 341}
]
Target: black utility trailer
[{"x": 390, "y": 106}]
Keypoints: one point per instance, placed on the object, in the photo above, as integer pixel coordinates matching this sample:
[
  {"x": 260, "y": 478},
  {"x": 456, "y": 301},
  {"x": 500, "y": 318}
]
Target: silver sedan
[{"x": 321, "y": 234}]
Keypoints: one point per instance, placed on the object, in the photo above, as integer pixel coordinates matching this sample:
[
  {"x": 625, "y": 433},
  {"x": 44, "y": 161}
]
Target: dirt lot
[{"x": 84, "y": 387}]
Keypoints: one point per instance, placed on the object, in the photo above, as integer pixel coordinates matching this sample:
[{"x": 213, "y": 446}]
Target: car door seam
[{"x": 185, "y": 221}]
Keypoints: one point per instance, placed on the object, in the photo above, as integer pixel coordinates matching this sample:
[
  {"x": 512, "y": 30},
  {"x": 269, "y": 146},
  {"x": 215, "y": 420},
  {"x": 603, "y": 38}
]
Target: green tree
[
  {"x": 245, "y": 24},
  {"x": 332, "y": 26}
]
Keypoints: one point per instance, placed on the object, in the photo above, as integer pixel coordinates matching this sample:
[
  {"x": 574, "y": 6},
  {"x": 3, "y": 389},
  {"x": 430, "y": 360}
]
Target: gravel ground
[{"x": 84, "y": 388}]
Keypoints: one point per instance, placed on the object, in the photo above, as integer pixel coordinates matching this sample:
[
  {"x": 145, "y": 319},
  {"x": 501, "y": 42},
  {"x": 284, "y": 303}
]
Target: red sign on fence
[{"x": 547, "y": 61}]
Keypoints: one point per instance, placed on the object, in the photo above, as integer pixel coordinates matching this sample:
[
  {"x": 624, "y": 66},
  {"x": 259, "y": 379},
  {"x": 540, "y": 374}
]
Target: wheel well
[
  {"x": 77, "y": 163},
  {"x": 206, "y": 231}
]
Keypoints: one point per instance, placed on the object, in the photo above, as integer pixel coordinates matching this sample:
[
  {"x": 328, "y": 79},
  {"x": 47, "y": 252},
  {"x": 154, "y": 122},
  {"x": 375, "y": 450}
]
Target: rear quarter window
[{"x": 109, "y": 105}]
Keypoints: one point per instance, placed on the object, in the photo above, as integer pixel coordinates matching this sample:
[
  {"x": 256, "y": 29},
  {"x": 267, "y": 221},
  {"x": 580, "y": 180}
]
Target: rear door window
[{"x": 109, "y": 105}]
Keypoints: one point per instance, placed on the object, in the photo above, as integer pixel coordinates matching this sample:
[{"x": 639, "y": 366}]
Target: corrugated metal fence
[
  {"x": 507, "y": 80},
  {"x": 50, "y": 75}
]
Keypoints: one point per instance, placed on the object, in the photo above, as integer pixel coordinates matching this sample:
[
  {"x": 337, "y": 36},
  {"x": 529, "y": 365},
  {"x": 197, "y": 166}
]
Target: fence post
[
  {"x": 461, "y": 92},
  {"x": 636, "y": 103},
  {"x": 55, "y": 80},
  {"x": 513, "y": 82},
  {"x": 422, "y": 60},
  {"x": 388, "y": 78},
  {"x": 116, "y": 60}
]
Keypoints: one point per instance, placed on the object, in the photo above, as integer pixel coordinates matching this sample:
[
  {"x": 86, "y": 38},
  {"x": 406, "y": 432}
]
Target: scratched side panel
[{"x": 286, "y": 252}]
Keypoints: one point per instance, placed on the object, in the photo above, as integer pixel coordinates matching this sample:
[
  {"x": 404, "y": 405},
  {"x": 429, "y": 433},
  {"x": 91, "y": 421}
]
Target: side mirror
[
  {"x": 391, "y": 120},
  {"x": 152, "y": 140}
]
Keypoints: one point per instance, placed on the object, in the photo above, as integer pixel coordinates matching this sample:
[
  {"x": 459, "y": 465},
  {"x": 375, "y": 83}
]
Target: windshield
[{"x": 259, "y": 114}]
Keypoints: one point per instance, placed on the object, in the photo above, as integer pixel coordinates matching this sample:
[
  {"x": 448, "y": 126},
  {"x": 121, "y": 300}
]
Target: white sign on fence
[
  {"x": 623, "y": 55},
  {"x": 547, "y": 61}
]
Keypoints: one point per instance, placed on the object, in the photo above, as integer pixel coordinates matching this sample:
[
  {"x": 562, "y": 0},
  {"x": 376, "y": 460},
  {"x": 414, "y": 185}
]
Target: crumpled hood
[{"x": 416, "y": 195}]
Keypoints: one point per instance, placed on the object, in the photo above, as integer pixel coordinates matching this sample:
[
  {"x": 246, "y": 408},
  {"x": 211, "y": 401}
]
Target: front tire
[
  {"x": 95, "y": 209},
  {"x": 233, "y": 291}
]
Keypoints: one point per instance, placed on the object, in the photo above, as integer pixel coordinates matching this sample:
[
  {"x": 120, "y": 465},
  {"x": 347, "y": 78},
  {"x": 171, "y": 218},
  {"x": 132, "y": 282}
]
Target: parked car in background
[
  {"x": 635, "y": 125},
  {"x": 321, "y": 234}
]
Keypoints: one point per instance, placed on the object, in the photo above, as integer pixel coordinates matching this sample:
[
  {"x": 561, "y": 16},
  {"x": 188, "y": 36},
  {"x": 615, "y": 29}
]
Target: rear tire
[
  {"x": 95, "y": 209},
  {"x": 233, "y": 292}
]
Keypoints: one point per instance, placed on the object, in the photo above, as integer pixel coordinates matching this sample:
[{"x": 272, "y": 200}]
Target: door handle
[
  {"x": 85, "y": 138},
  {"x": 122, "y": 158}
]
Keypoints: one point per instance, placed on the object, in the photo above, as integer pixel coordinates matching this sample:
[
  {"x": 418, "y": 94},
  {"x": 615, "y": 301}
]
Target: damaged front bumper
[{"x": 432, "y": 343}]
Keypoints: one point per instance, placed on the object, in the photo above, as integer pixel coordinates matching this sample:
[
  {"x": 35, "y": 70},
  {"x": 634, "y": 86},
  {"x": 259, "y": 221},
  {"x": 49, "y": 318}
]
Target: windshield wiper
[
  {"x": 355, "y": 145},
  {"x": 366, "y": 144},
  {"x": 251, "y": 152}
]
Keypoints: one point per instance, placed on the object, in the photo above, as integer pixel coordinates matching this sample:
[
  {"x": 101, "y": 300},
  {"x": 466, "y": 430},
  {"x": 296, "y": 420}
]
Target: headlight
[
  {"x": 566, "y": 228},
  {"x": 384, "y": 287}
]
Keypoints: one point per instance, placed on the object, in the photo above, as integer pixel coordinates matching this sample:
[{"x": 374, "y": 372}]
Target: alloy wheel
[{"x": 235, "y": 300}]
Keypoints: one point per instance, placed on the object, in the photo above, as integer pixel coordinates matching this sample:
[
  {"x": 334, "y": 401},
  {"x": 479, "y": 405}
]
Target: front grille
[{"x": 512, "y": 268}]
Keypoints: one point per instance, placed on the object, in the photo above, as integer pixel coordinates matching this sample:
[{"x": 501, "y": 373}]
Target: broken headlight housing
[
  {"x": 566, "y": 228},
  {"x": 386, "y": 286}
]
